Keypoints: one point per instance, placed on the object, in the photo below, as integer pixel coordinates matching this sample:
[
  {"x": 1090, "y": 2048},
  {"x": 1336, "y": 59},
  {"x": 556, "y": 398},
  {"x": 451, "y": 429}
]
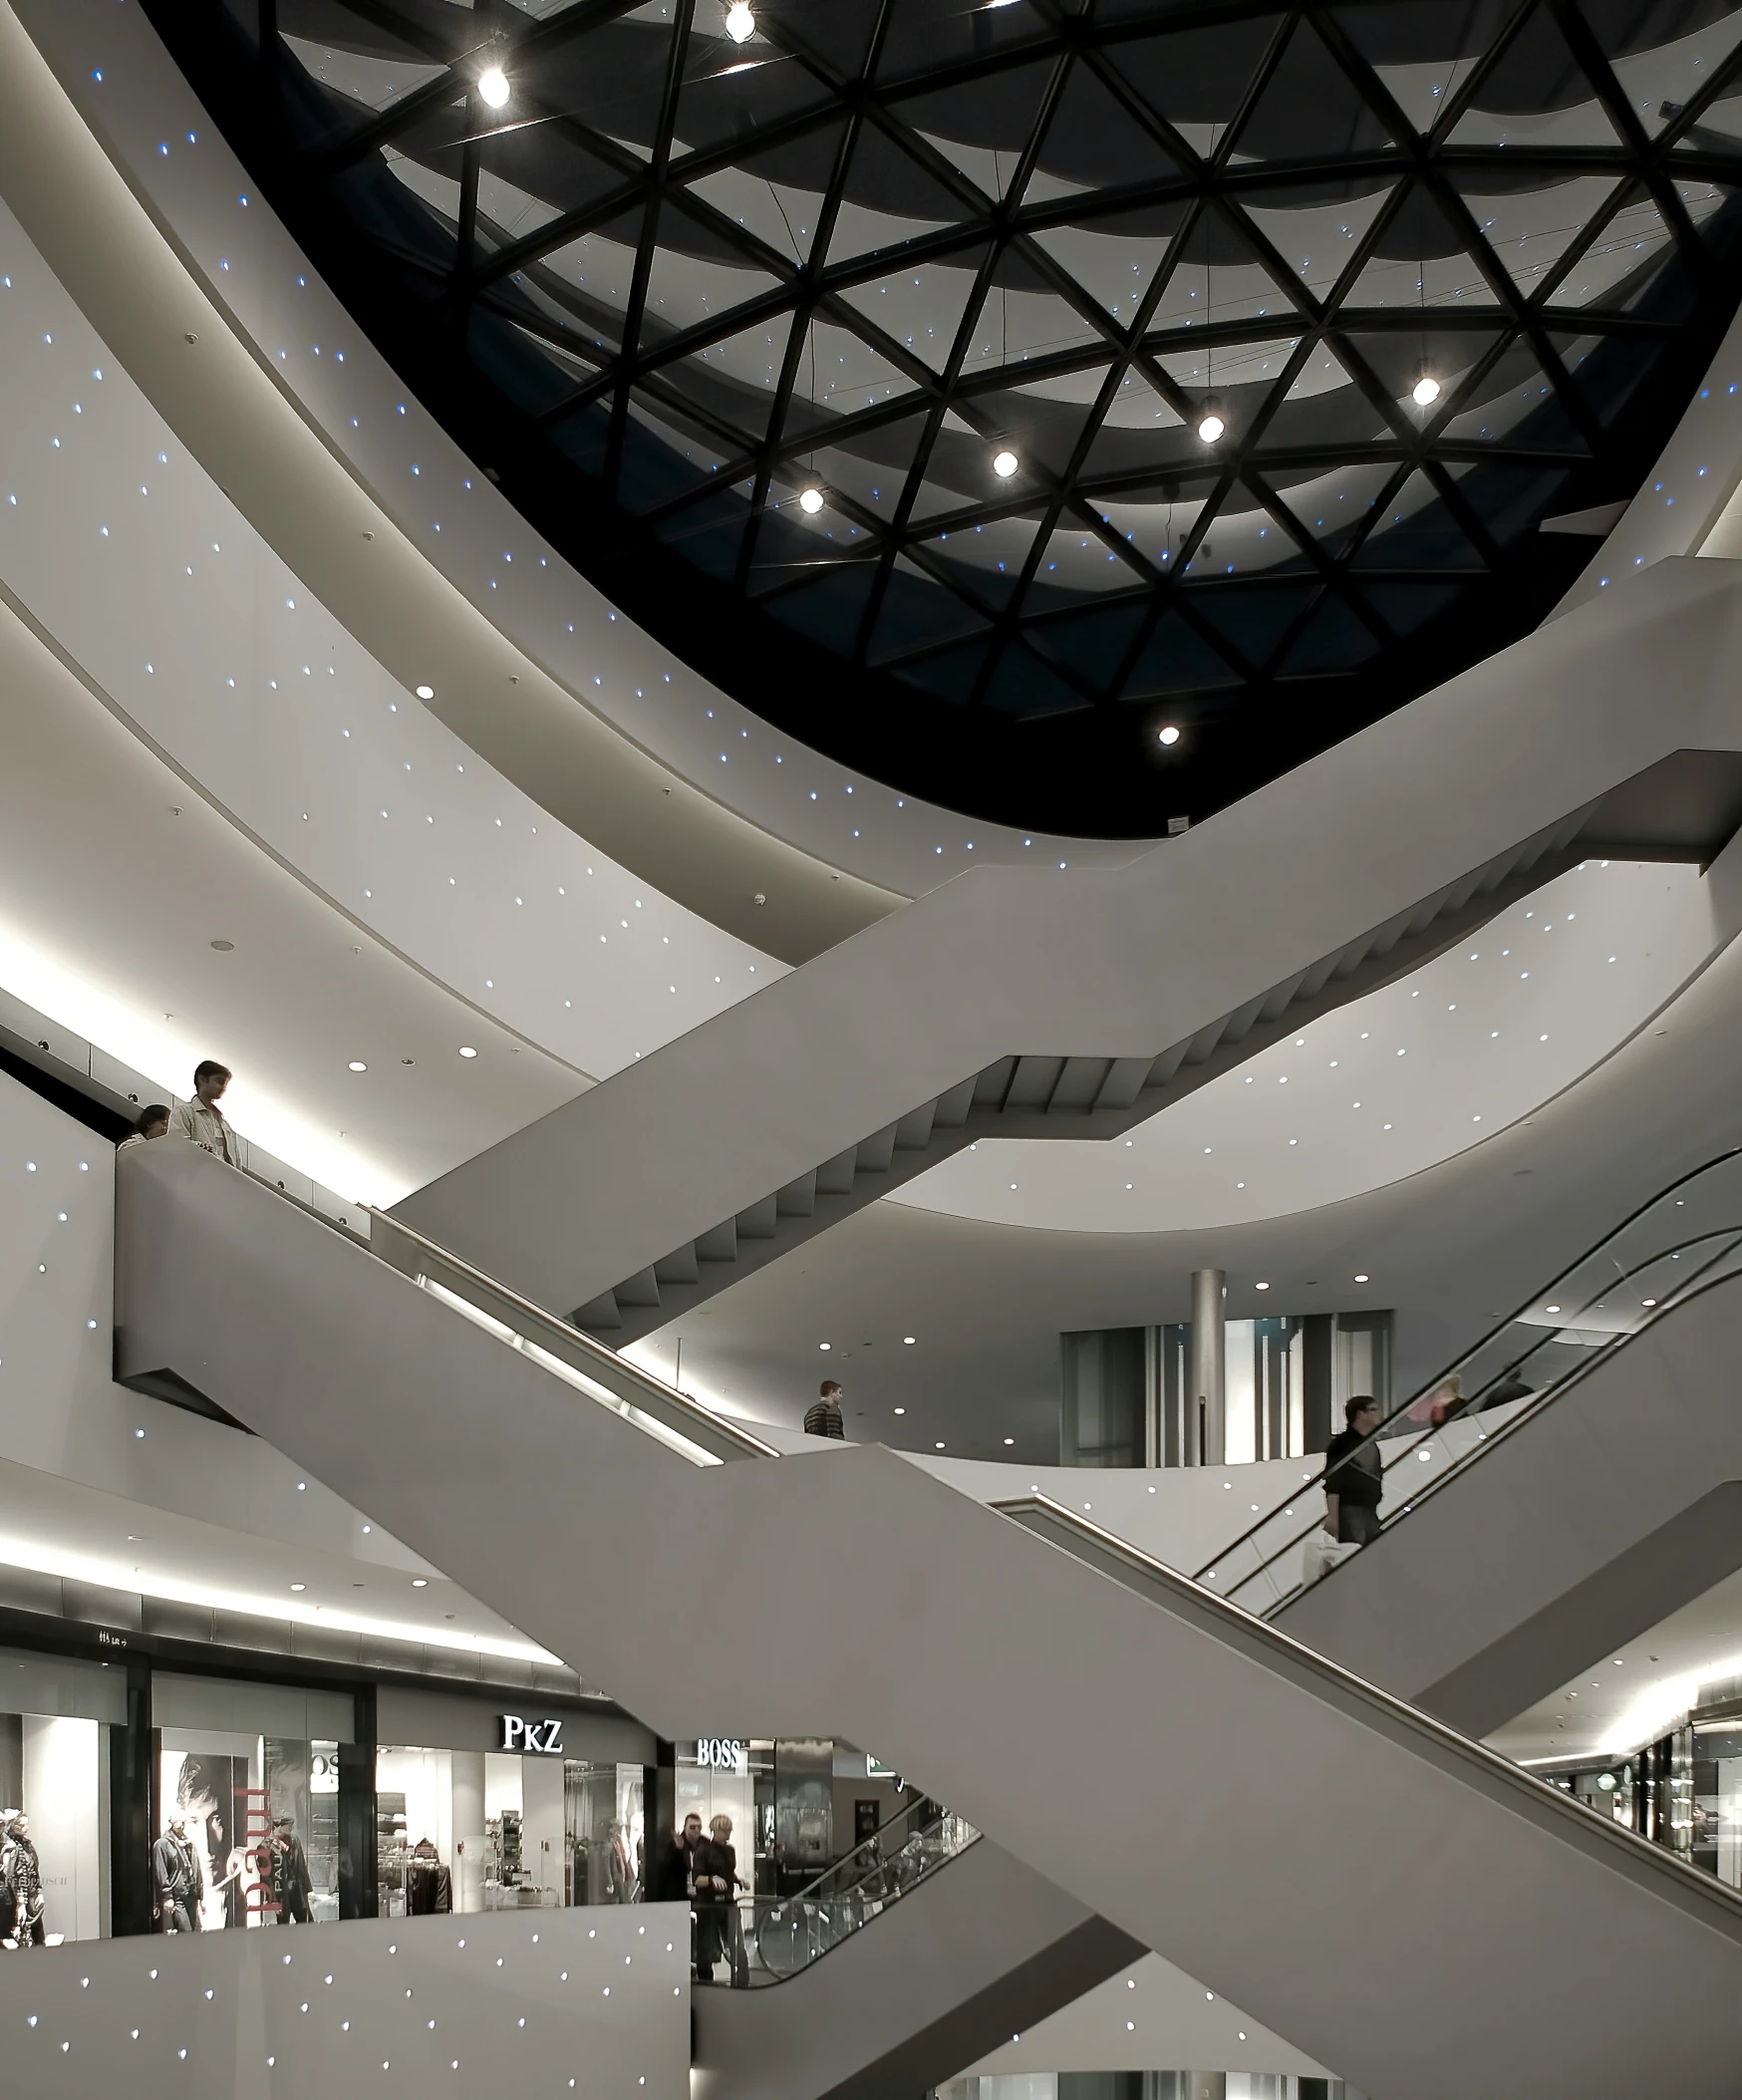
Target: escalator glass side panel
[{"x": 1681, "y": 1242}]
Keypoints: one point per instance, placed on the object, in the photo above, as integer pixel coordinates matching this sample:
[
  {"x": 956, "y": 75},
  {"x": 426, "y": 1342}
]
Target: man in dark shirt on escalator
[{"x": 1353, "y": 1482}]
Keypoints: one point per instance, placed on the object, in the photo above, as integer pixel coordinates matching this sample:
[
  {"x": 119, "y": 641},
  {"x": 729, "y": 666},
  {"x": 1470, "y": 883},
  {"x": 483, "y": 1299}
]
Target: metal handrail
[
  {"x": 1552, "y": 1391},
  {"x": 1514, "y": 1318},
  {"x": 834, "y": 1905},
  {"x": 1233, "y": 1624},
  {"x": 595, "y": 1358}
]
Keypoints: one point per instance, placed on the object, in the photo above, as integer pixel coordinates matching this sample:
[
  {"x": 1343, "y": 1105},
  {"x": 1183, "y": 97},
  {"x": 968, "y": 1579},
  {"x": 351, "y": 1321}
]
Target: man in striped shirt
[{"x": 823, "y": 1416}]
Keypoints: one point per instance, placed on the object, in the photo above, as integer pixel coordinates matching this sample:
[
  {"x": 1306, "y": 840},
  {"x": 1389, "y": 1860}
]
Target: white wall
[
  {"x": 227, "y": 1517},
  {"x": 597, "y": 2003},
  {"x": 1150, "y": 2016}
]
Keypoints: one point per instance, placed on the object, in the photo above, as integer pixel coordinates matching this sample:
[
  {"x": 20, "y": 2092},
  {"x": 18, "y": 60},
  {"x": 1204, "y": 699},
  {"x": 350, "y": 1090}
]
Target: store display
[
  {"x": 244, "y": 1838},
  {"x": 176, "y": 1884},
  {"x": 21, "y": 1872}
]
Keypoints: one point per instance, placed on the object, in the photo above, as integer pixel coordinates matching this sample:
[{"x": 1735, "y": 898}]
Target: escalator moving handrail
[
  {"x": 1512, "y": 1318},
  {"x": 1439, "y": 1744},
  {"x": 609, "y": 1363}
]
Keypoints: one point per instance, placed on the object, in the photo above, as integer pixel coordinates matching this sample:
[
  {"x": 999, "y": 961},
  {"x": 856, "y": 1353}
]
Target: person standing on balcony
[
  {"x": 201, "y": 1120},
  {"x": 823, "y": 1416}
]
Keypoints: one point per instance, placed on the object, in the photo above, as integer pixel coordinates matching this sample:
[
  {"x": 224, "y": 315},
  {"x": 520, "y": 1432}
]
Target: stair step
[
  {"x": 1123, "y": 1081},
  {"x": 835, "y": 1176},
  {"x": 758, "y": 1221},
  {"x": 679, "y": 1267},
  {"x": 876, "y": 1152},
  {"x": 913, "y": 1133},
  {"x": 1078, "y": 1087},
  {"x": 950, "y": 1110},
  {"x": 1033, "y": 1082},
  {"x": 719, "y": 1243},
  {"x": 797, "y": 1199},
  {"x": 641, "y": 1289}
]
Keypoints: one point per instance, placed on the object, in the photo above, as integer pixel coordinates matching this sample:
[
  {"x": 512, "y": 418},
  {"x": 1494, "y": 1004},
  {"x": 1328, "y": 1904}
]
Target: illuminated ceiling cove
[{"x": 980, "y": 390}]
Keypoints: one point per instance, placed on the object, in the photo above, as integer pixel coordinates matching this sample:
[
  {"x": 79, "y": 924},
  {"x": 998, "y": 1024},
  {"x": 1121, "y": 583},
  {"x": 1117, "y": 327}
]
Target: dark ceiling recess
[{"x": 679, "y": 280}]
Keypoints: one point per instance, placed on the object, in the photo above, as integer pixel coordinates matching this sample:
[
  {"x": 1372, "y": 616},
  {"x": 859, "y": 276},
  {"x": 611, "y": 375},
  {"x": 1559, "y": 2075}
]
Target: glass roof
[{"x": 975, "y": 387}]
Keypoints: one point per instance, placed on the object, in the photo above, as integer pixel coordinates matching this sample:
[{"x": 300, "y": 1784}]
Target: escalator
[
  {"x": 1396, "y": 1899},
  {"x": 990, "y": 1947},
  {"x": 1574, "y": 1479}
]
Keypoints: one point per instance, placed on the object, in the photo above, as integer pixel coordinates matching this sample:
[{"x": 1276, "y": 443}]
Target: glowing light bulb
[
  {"x": 1210, "y": 425},
  {"x": 493, "y": 85},
  {"x": 1170, "y": 734},
  {"x": 740, "y": 22},
  {"x": 1005, "y": 463},
  {"x": 1427, "y": 389},
  {"x": 811, "y": 500}
]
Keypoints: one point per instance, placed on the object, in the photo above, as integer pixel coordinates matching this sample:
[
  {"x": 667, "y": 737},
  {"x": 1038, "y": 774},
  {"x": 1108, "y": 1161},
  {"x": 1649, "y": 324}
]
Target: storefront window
[
  {"x": 245, "y": 1807},
  {"x": 54, "y": 1797},
  {"x": 491, "y": 1830}
]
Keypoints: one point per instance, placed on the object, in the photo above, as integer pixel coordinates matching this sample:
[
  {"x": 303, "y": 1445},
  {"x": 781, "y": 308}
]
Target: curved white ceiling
[
  {"x": 138, "y": 105},
  {"x": 117, "y": 881},
  {"x": 1407, "y": 1076},
  {"x": 121, "y": 548}
]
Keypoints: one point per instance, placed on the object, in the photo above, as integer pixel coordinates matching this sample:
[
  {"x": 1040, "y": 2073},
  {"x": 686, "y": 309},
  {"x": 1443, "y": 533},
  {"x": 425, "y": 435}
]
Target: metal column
[{"x": 1206, "y": 1393}]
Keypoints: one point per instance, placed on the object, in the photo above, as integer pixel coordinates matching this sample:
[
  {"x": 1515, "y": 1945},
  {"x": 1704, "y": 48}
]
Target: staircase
[
  {"x": 1100, "y": 1098},
  {"x": 1037, "y": 1001}
]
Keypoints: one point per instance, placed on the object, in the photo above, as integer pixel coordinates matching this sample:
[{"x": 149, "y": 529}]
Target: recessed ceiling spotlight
[
  {"x": 826, "y": 1345},
  {"x": 420, "y": 1582},
  {"x": 426, "y": 692},
  {"x": 1005, "y": 463},
  {"x": 1260, "y": 1287},
  {"x": 741, "y": 21},
  {"x": 1551, "y": 1309},
  {"x": 466, "y": 1050},
  {"x": 357, "y": 1064},
  {"x": 901, "y": 1410},
  {"x": 222, "y": 947},
  {"x": 1009, "y": 1439},
  {"x": 493, "y": 85},
  {"x": 810, "y": 502},
  {"x": 1426, "y": 390},
  {"x": 299, "y": 1585},
  {"x": 1363, "y": 1277},
  {"x": 1210, "y": 423},
  {"x": 1170, "y": 734},
  {"x": 908, "y": 1340}
]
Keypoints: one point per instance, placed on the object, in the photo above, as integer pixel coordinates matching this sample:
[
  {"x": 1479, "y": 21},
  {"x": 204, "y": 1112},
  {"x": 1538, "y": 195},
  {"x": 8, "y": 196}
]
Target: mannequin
[
  {"x": 24, "y": 1880},
  {"x": 176, "y": 1879}
]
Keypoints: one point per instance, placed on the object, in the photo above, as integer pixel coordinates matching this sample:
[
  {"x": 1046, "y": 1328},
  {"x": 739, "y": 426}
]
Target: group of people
[
  {"x": 703, "y": 1870},
  {"x": 202, "y": 1121},
  {"x": 23, "y": 1905}
]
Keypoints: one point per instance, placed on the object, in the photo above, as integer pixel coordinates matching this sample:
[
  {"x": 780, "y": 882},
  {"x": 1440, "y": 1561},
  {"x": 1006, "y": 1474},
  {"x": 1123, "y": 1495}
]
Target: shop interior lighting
[
  {"x": 741, "y": 21},
  {"x": 810, "y": 502},
  {"x": 1170, "y": 734},
  {"x": 1005, "y": 463},
  {"x": 493, "y": 85},
  {"x": 1427, "y": 389},
  {"x": 1210, "y": 423},
  {"x": 426, "y": 692}
]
